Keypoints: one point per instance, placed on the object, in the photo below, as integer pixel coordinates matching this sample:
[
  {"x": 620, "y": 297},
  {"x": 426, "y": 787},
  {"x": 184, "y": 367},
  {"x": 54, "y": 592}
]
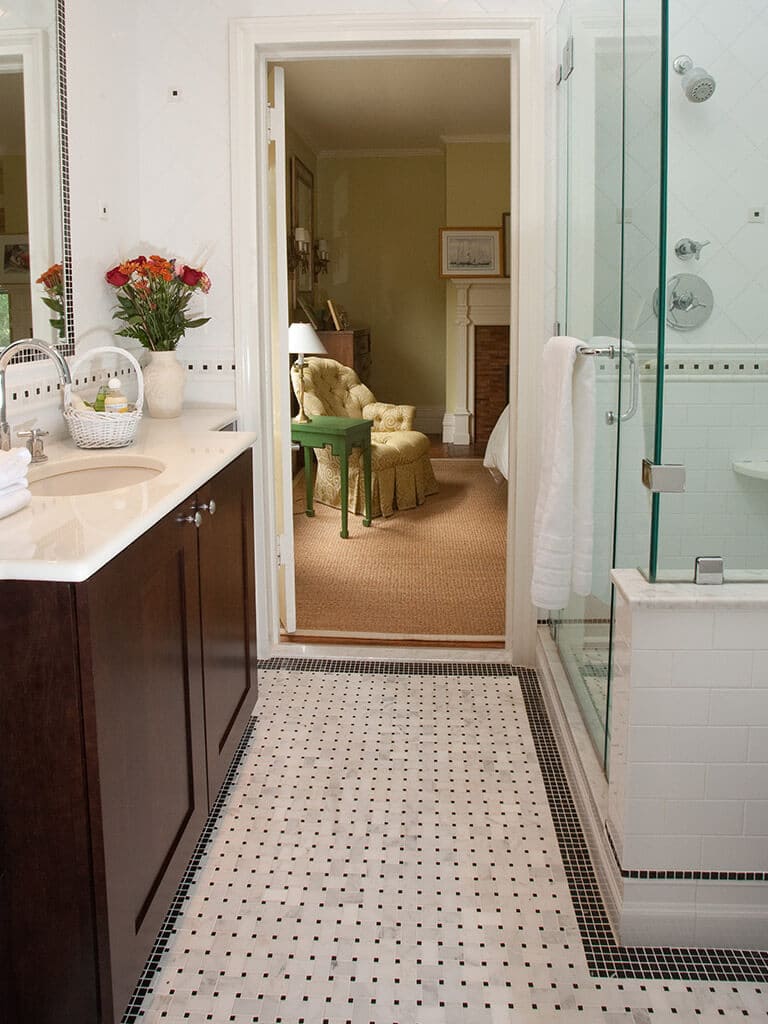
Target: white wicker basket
[{"x": 91, "y": 429}]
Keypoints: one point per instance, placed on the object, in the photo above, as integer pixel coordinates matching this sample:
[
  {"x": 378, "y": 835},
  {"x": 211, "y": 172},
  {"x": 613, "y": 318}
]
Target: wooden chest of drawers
[{"x": 352, "y": 348}]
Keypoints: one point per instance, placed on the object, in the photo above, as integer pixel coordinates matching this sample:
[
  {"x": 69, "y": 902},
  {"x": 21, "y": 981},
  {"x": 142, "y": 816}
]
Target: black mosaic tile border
[
  {"x": 427, "y": 668},
  {"x": 68, "y": 347},
  {"x": 605, "y": 957},
  {"x": 685, "y": 874},
  {"x": 132, "y": 1011}
]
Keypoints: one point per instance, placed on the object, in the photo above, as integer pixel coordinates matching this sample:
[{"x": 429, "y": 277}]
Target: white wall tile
[
  {"x": 756, "y": 818},
  {"x": 734, "y": 853},
  {"x": 758, "y": 744},
  {"x": 650, "y": 744},
  {"x": 748, "y": 781},
  {"x": 738, "y": 707},
  {"x": 663, "y": 630},
  {"x": 674, "y": 706},
  {"x": 711, "y": 668},
  {"x": 662, "y": 853},
  {"x": 704, "y": 817},
  {"x": 707, "y": 744},
  {"x": 663, "y": 781}
]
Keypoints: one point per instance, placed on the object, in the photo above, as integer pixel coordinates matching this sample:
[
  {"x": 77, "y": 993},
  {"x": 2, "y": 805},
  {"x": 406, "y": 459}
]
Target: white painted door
[{"x": 278, "y": 287}]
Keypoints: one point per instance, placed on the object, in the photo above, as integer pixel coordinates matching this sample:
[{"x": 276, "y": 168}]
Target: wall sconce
[
  {"x": 298, "y": 250},
  {"x": 322, "y": 257}
]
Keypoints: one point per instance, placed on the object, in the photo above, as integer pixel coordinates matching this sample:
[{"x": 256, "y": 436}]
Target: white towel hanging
[{"x": 564, "y": 522}]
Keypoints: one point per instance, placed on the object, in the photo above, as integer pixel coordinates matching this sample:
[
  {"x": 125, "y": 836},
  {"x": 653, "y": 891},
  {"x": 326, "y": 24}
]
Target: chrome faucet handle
[
  {"x": 688, "y": 249},
  {"x": 35, "y": 443}
]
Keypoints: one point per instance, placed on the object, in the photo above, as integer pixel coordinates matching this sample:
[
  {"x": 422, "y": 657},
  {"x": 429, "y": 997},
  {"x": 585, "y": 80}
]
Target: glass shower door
[{"x": 590, "y": 220}]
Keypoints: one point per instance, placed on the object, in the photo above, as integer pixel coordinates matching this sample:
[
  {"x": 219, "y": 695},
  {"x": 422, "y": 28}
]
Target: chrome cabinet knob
[
  {"x": 196, "y": 518},
  {"x": 208, "y": 506}
]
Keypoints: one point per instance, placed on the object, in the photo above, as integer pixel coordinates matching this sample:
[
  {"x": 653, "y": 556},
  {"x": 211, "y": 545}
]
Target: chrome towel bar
[{"x": 585, "y": 350}]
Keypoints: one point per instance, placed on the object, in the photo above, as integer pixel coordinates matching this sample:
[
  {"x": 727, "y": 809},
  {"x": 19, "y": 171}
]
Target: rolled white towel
[
  {"x": 15, "y": 501},
  {"x": 13, "y": 465},
  {"x": 19, "y": 485}
]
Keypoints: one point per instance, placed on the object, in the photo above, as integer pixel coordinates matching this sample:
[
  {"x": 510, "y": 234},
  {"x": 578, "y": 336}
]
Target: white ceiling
[{"x": 408, "y": 103}]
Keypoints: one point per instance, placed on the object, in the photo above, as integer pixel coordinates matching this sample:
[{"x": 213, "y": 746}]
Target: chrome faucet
[{"x": 6, "y": 356}]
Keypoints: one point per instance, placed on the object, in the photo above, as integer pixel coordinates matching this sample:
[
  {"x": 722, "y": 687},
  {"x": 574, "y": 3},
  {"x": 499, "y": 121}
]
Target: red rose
[
  {"x": 116, "y": 277},
  {"x": 190, "y": 276}
]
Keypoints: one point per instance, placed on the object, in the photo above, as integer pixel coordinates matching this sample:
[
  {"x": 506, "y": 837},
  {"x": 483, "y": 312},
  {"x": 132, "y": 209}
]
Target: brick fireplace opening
[{"x": 491, "y": 378}]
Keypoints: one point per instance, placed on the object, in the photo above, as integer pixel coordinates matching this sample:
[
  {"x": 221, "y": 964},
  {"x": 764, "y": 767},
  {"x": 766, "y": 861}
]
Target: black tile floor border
[
  {"x": 151, "y": 967},
  {"x": 605, "y": 957}
]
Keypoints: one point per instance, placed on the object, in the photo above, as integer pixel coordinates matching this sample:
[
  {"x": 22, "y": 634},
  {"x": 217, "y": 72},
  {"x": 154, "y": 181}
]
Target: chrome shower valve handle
[{"x": 688, "y": 249}]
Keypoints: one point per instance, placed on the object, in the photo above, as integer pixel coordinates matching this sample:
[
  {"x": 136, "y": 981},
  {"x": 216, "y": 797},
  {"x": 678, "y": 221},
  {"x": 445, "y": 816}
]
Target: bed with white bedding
[{"x": 496, "y": 457}]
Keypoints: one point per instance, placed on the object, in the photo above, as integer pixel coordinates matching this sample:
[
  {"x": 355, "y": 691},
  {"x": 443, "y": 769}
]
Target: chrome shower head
[{"x": 697, "y": 84}]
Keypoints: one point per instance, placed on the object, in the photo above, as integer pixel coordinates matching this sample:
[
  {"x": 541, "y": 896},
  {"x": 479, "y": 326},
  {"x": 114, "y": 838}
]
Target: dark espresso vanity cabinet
[{"x": 122, "y": 700}]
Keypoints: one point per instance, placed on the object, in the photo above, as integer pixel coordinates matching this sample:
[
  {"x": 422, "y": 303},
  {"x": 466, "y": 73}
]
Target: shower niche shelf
[{"x": 757, "y": 468}]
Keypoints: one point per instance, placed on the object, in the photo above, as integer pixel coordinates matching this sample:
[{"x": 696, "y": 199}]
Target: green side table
[{"x": 342, "y": 434}]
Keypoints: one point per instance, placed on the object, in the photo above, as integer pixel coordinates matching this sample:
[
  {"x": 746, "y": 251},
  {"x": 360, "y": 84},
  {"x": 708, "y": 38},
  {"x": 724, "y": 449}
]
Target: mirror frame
[{"x": 27, "y": 50}]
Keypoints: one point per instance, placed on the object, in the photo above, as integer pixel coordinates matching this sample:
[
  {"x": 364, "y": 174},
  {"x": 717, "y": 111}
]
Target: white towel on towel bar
[{"x": 563, "y": 523}]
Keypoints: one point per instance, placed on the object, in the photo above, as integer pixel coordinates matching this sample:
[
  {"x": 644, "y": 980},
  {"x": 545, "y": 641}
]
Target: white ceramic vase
[{"x": 164, "y": 378}]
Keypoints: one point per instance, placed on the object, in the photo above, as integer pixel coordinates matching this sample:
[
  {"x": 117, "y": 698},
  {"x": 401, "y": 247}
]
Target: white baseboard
[{"x": 456, "y": 428}]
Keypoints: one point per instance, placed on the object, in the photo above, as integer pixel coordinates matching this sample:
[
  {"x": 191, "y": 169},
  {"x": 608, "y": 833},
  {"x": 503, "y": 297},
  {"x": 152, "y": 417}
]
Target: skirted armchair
[{"x": 401, "y": 473}]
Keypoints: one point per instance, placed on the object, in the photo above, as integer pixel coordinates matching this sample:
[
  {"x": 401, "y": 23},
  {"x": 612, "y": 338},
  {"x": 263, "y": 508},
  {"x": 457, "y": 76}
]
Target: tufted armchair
[{"x": 401, "y": 473}]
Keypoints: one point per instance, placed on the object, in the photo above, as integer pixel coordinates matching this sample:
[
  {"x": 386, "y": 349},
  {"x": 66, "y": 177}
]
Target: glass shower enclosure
[{"x": 663, "y": 273}]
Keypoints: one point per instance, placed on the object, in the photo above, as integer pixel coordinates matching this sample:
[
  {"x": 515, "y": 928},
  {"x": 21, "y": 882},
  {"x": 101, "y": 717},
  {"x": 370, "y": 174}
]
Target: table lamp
[{"x": 303, "y": 340}]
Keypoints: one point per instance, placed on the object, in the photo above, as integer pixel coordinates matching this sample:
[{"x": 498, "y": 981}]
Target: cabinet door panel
[
  {"x": 228, "y": 615},
  {"x": 141, "y": 613}
]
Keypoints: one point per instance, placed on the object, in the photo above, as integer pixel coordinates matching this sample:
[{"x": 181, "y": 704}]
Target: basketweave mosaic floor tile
[{"x": 385, "y": 853}]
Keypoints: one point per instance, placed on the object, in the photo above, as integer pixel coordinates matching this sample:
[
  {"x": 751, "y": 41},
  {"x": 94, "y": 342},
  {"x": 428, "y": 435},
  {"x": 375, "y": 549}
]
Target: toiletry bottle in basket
[{"x": 115, "y": 400}]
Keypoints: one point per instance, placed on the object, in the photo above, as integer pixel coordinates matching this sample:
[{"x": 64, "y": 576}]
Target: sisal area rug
[{"x": 434, "y": 572}]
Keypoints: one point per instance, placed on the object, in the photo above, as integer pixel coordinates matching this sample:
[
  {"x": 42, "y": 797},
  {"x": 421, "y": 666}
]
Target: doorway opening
[
  {"x": 381, "y": 154},
  {"x": 257, "y": 43}
]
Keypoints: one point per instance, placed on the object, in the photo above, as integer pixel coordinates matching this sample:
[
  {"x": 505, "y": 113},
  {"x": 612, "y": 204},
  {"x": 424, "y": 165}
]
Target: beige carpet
[{"x": 434, "y": 571}]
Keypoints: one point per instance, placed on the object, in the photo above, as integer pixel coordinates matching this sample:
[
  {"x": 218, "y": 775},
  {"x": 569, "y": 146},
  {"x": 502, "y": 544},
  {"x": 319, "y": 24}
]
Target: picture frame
[
  {"x": 14, "y": 259},
  {"x": 335, "y": 315},
  {"x": 470, "y": 252},
  {"x": 506, "y": 223}
]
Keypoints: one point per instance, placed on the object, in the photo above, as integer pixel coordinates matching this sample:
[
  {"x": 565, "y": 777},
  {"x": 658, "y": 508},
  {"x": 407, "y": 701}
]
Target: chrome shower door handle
[{"x": 634, "y": 386}]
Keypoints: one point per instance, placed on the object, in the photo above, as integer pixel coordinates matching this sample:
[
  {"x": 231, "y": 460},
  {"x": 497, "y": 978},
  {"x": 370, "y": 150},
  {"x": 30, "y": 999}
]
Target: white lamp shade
[{"x": 303, "y": 340}]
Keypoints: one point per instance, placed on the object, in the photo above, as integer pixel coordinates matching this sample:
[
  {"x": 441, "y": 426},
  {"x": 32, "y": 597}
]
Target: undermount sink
[{"x": 91, "y": 474}]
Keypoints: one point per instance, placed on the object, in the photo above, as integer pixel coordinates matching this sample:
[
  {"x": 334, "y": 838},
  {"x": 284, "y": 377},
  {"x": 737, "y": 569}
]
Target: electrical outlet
[
  {"x": 174, "y": 94},
  {"x": 756, "y": 215}
]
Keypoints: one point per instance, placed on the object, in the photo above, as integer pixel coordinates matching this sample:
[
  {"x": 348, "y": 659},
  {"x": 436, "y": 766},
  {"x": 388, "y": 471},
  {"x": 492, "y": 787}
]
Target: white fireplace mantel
[{"x": 479, "y": 302}]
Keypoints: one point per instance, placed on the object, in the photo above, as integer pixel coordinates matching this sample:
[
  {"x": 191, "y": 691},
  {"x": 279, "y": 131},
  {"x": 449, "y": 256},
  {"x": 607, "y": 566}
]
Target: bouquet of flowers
[
  {"x": 53, "y": 283},
  {"x": 153, "y": 294}
]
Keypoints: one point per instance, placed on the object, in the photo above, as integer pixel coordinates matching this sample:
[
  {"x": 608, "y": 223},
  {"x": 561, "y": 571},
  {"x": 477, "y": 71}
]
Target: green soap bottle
[{"x": 98, "y": 403}]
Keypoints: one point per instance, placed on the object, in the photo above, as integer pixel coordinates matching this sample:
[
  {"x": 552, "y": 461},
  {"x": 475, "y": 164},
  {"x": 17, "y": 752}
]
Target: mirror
[
  {"x": 302, "y": 220},
  {"x": 32, "y": 135}
]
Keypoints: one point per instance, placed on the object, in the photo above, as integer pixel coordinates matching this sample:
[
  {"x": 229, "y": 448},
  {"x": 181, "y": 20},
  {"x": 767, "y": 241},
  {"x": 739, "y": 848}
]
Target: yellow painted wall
[
  {"x": 477, "y": 184},
  {"x": 14, "y": 176},
  {"x": 381, "y": 216}
]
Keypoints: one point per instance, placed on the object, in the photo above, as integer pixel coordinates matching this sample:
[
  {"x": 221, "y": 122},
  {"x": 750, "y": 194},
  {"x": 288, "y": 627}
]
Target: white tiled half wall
[{"x": 688, "y": 768}]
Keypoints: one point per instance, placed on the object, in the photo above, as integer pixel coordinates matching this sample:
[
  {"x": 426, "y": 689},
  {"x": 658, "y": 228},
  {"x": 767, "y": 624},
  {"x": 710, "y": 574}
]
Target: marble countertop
[
  {"x": 67, "y": 539},
  {"x": 638, "y": 591}
]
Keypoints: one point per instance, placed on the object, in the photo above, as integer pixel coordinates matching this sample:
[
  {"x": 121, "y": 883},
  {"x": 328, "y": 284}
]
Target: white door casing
[{"x": 256, "y": 42}]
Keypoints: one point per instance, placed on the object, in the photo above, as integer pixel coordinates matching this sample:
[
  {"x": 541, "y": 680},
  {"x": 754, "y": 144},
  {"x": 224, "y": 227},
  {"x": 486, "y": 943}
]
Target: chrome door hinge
[
  {"x": 661, "y": 479},
  {"x": 279, "y": 550},
  {"x": 270, "y": 113}
]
